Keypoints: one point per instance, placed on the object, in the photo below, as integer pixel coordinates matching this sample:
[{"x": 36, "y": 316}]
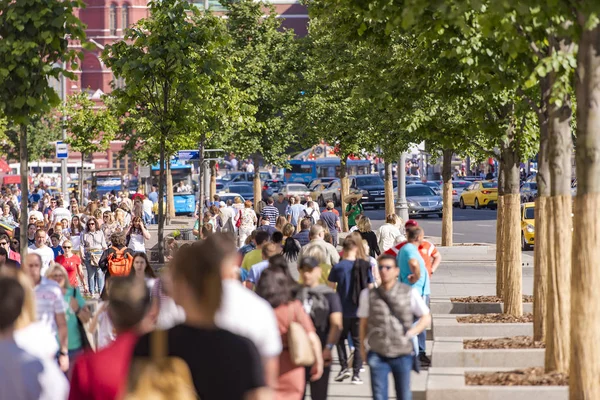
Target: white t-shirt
[
  {"x": 136, "y": 242},
  {"x": 47, "y": 256},
  {"x": 147, "y": 206},
  {"x": 106, "y": 331},
  {"x": 417, "y": 304},
  {"x": 250, "y": 168},
  {"x": 49, "y": 302},
  {"x": 61, "y": 213},
  {"x": 244, "y": 313},
  {"x": 105, "y": 209},
  {"x": 37, "y": 339}
]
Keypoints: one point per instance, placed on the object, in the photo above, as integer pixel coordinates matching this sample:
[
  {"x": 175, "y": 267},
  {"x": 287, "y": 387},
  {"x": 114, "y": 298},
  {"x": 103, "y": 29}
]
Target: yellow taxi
[
  {"x": 527, "y": 226},
  {"x": 480, "y": 194}
]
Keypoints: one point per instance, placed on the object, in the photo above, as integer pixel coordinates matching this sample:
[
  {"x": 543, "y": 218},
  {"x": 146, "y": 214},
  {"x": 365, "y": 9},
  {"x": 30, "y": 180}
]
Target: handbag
[
  {"x": 416, "y": 363},
  {"x": 238, "y": 223},
  {"x": 159, "y": 377},
  {"x": 299, "y": 346}
]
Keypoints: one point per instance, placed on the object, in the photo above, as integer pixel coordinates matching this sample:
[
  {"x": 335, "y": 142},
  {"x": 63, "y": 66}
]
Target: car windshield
[
  {"x": 227, "y": 177},
  {"x": 530, "y": 213},
  {"x": 414, "y": 190},
  {"x": 460, "y": 184},
  {"x": 369, "y": 181},
  {"x": 433, "y": 184},
  {"x": 533, "y": 186},
  {"x": 489, "y": 185},
  {"x": 296, "y": 188}
]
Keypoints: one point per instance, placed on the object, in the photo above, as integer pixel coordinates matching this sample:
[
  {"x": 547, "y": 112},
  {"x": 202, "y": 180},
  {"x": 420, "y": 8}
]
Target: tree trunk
[
  {"x": 170, "y": 194},
  {"x": 559, "y": 260},
  {"x": 585, "y": 302},
  {"x": 447, "y": 198},
  {"x": 389, "y": 189},
  {"x": 542, "y": 221},
  {"x": 23, "y": 220},
  {"x": 257, "y": 184},
  {"x": 213, "y": 178},
  {"x": 344, "y": 192},
  {"x": 161, "y": 202},
  {"x": 201, "y": 177},
  {"x": 513, "y": 300},
  {"x": 81, "y": 182},
  {"x": 500, "y": 235}
]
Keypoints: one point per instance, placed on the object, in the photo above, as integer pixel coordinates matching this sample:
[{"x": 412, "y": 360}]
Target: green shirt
[
  {"x": 253, "y": 257},
  {"x": 72, "y": 328},
  {"x": 353, "y": 211}
]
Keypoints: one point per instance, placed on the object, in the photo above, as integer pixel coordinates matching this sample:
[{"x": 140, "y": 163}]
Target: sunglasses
[
  {"x": 57, "y": 276},
  {"x": 91, "y": 223},
  {"x": 3, "y": 243},
  {"x": 67, "y": 247},
  {"x": 386, "y": 267}
]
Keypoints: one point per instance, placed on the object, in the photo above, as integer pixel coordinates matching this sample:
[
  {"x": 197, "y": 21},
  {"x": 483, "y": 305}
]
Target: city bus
[
  {"x": 305, "y": 171},
  {"x": 185, "y": 201},
  {"x": 51, "y": 169}
]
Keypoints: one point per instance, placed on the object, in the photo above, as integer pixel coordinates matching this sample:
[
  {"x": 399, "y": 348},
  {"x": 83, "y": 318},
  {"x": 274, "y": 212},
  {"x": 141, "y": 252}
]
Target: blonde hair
[
  {"x": 364, "y": 225},
  {"x": 361, "y": 252},
  {"x": 56, "y": 266},
  {"x": 28, "y": 311},
  {"x": 314, "y": 251}
]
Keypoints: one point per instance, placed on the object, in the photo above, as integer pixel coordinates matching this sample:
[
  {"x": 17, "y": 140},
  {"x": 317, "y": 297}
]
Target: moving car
[
  {"x": 271, "y": 187},
  {"x": 527, "y": 226},
  {"x": 317, "y": 186},
  {"x": 295, "y": 189},
  {"x": 528, "y": 192},
  {"x": 333, "y": 192},
  {"x": 423, "y": 201},
  {"x": 224, "y": 196},
  {"x": 457, "y": 189},
  {"x": 240, "y": 177},
  {"x": 480, "y": 194},
  {"x": 435, "y": 186},
  {"x": 372, "y": 188}
]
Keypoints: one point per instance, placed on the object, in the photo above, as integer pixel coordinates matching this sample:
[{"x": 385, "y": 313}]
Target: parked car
[
  {"x": 271, "y": 187},
  {"x": 527, "y": 226},
  {"x": 224, "y": 196},
  {"x": 423, "y": 201},
  {"x": 528, "y": 192},
  {"x": 413, "y": 178},
  {"x": 480, "y": 194},
  {"x": 434, "y": 185},
  {"x": 457, "y": 189},
  {"x": 317, "y": 186},
  {"x": 333, "y": 192},
  {"x": 238, "y": 177},
  {"x": 295, "y": 189},
  {"x": 246, "y": 190},
  {"x": 372, "y": 188}
]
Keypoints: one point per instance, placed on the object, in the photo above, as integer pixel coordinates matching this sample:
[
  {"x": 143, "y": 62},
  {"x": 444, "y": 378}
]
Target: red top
[
  {"x": 71, "y": 264},
  {"x": 426, "y": 249},
  {"x": 103, "y": 375}
]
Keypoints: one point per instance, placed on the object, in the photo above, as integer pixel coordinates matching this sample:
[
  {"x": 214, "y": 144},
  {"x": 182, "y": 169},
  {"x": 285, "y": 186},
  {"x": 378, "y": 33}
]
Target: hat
[
  {"x": 309, "y": 262},
  {"x": 330, "y": 205},
  {"x": 222, "y": 204},
  {"x": 353, "y": 196},
  {"x": 410, "y": 222}
]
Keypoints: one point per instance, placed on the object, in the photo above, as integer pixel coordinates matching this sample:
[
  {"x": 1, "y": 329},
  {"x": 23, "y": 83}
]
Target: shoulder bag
[{"x": 299, "y": 346}]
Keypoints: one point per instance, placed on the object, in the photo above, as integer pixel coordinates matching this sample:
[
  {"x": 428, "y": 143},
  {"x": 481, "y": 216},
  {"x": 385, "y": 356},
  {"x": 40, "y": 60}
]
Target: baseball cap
[
  {"x": 410, "y": 222},
  {"x": 309, "y": 262}
]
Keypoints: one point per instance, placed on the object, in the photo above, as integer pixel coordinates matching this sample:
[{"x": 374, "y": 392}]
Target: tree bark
[
  {"x": 170, "y": 194},
  {"x": 161, "y": 201},
  {"x": 513, "y": 301},
  {"x": 213, "y": 178},
  {"x": 344, "y": 192},
  {"x": 389, "y": 189},
  {"x": 81, "y": 182},
  {"x": 559, "y": 260},
  {"x": 447, "y": 198},
  {"x": 500, "y": 235},
  {"x": 23, "y": 220},
  {"x": 257, "y": 184},
  {"x": 542, "y": 221},
  {"x": 585, "y": 302}
]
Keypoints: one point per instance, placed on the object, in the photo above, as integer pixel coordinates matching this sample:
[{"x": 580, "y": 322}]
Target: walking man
[{"x": 386, "y": 330}]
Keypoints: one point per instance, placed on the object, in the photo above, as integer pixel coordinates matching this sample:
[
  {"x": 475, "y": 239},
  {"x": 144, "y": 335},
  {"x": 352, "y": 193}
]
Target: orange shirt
[{"x": 427, "y": 250}]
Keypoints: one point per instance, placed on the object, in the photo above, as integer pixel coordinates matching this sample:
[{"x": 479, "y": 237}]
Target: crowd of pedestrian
[{"x": 252, "y": 309}]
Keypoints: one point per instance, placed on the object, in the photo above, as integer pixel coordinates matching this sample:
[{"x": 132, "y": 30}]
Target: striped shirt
[
  {"x": 271, "y": 212},
  {"x": 49, "y": 302}
]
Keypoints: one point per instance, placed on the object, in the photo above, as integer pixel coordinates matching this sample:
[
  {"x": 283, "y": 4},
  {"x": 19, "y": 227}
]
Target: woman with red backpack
[{"x": 117, "y": 260}]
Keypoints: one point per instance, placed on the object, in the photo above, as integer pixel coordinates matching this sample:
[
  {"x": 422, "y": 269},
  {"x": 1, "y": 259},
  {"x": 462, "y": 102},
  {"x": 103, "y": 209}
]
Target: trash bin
[{"x": 186, "y": 234}]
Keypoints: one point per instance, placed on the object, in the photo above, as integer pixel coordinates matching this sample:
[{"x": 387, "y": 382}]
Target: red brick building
[{"x": 106, "y": 22}]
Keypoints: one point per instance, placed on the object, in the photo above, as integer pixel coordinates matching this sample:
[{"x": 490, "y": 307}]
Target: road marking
[
  {"x": 459, "y": 234},
  {"x": 485, "y": 226}
]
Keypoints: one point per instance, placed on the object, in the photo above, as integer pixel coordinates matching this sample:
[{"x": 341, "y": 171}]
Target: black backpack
[
  {"x": 320, "y": 309},
  {"x": 310, "y": 216}
]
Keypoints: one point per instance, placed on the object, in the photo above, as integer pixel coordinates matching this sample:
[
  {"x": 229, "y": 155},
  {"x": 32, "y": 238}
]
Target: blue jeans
[
  {"x": 423, "y": 335},
  {"x": 381, "y": 367},
  {"x": 95, "y": 278}
]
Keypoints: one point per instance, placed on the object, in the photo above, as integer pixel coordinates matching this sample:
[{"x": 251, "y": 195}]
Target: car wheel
[
  {"x": 476, "y": 206},
  {"x": 524, "y": 245},
  {"x": 461, "y": 204},
  {"x": 334, "y": 199},
  {"x": 320, "y": 201},
  {"x": 441, "y": 215}
]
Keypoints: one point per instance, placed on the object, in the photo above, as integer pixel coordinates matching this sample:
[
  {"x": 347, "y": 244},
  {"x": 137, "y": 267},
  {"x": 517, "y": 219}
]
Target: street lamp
[{"x": 401, "y": 205}]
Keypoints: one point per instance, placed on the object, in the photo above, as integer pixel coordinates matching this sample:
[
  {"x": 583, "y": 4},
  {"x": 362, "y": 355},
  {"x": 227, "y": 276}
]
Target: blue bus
[
  {"x": 183, "y": 186},
  {"x": 305, "y": 171}
]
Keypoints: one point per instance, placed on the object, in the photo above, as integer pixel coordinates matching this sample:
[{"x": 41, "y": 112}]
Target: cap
[
  {"x": 222, "y": 204},
  {"x": 410, "y": 222},
  {"x": 309, "y": 262}
]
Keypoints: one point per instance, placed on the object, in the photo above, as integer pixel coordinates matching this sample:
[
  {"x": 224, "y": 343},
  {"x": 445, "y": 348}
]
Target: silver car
[
  {"x": 422, "y": 201},
  {"x": 457, "y": 189}
]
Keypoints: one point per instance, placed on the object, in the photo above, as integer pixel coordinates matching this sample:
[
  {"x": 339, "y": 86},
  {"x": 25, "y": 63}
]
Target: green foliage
[
  {"x": 43, "y": 132},
  {"x": 90, "y": 130},
  {"x": 34, "y": 47}
]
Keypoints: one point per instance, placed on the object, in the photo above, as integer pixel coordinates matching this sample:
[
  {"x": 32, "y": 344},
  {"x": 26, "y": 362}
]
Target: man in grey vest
[{"x": 386, "y": 330}]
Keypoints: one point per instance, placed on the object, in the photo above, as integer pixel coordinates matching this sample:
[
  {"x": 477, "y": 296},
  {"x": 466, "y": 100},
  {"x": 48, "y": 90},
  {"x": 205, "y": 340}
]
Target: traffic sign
[
  {"x": 188, "y": 155},
  {"x": 62, "y": 150}
]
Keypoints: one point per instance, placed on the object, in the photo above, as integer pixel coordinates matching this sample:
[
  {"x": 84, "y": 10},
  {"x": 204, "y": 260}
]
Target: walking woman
[
  {"x": 75, "y": 231},
  {"x": 276, "y": 287},
  {"x": 76, "y": 309},
  {"x": 291, "y": 250},
  {"x": 364, "y": 227},
  {"x": 137, "y": 235},
  {"x": 142, "y": 270},
  {"x": 93, "y": 244},
  {"x": 72, "y": 264},
  {"x": 110, "y": 226},
  {"x": 248, "y": 222}
]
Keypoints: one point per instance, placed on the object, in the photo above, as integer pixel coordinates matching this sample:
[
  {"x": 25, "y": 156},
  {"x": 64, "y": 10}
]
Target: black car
[
  {"x": 244, "y": 189},
  {"x": 528, "y": 192},
  {"x": 372, "y": 188}
]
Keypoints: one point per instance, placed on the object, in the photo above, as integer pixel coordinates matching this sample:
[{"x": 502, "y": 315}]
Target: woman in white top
[
  {"x": 248, "y": 224},
  {"x": 389, "y": 233},
  {"x": 75, "y": 234},
  {"x": 141, "y": 269},
  {"x": 137, "y": 234}
]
